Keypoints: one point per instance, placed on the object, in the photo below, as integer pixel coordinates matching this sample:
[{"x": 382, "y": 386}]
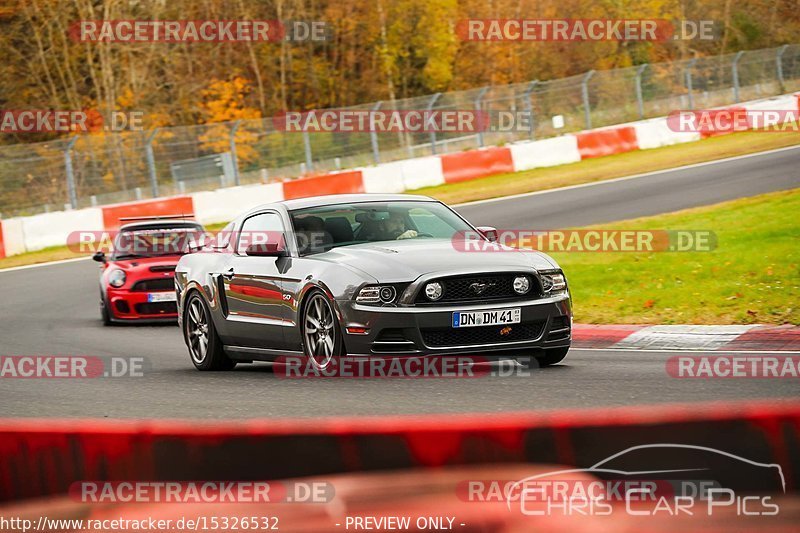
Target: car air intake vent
[
  {"x": 154, "y": 285},
  {"x": 156, "y": 308},
  {"x": 392, "y": 340},
  {"x": 162, "y": 268},
  {"x": 559, "y": 328},
  {"x": 483, "y": 335}
]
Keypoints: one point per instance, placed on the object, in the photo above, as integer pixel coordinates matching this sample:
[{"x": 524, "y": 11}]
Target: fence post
[
  {"x": 428, "y": 108},
  {"x": 639, "y": 99},
  {"x": 779, "y": 66},
  {"x": 373, "y": 137},
  {"x": 477, "y": 107},
  {"x": 529, "y": 107},
  {"x": 151, "y": 162},
  {"x": 234, "y": 158},
  {"x": 735, "y": 72},
  {"x": 585, "y": 94},
  {"x": 307, "y": 147},
  {"x": 687, "y": 72},
  {"x": 72, "y": 193}
]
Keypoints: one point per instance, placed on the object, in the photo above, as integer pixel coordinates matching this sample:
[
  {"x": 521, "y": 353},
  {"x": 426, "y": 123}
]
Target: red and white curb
[{"x": 688, "y": 337}]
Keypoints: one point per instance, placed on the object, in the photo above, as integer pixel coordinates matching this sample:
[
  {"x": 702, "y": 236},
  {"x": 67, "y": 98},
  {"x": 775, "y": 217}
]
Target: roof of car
[
  {"x": 318, "y": 201},
  {"x": 160, "y": 224}
]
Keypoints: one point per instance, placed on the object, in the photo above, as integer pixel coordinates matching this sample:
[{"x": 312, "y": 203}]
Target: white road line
[
  {"x": 39, "y": 265},
  {"x": 625, "y": 178}
]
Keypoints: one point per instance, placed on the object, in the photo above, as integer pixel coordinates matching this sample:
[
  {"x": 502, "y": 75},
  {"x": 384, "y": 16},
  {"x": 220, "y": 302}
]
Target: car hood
[
  {"x": 397, "y": 261},
  {"x": 146, "y": 263}
]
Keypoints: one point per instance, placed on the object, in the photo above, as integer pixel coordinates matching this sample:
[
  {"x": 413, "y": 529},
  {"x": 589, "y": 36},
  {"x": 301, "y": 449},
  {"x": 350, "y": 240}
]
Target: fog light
[
  {"x": 522, "y": 284},
  {"x": 387, "y": 294},
  {"x": 433, "y": 291}
]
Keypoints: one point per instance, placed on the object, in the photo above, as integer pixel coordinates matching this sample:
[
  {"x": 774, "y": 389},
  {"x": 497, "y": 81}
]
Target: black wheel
[
  {"x": 205, "y": 348},
  {"x": 552, "y": 357},
  {"x": 105, "y": 314},
  {"x": 321, "y": 336}
]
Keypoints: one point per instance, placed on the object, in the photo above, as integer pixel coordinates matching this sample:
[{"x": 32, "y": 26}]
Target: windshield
[
  {"x": 155, "y": 242},
  {"x": 322, "y": 228}
]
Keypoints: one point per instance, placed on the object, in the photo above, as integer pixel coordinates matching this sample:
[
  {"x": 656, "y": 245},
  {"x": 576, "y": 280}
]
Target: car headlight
[
  {"x": 522, "y": 284},
  {"x": 375, "y": 294},
  {"x": 116, "y": 278},
  {"x": 433, "y": 291},
  {"x": 553, "y": 281}
]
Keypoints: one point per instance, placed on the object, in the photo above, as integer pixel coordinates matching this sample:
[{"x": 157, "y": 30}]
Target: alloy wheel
[
  {"x": 197, "y": 331},
  {"x": 319, "y": 331}
]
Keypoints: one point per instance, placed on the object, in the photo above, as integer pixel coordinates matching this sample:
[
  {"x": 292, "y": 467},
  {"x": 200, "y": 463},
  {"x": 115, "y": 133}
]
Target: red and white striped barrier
[{"x": 52, "y": 229}]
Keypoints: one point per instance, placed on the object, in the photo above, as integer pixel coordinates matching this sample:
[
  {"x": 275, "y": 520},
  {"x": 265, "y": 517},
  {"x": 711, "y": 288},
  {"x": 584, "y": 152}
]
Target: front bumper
[
  {"x": 133, "y": 306},
  {"x": 427, "y": 330}
]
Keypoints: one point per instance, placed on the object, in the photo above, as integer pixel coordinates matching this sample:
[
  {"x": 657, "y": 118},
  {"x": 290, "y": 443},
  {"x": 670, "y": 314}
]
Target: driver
[{"x": 395, "y": 227}]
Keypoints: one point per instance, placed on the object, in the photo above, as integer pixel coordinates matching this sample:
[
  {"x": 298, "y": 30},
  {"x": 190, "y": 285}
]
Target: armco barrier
[
  {"x": 55, "y": 229},
  {"x": 462, "y": 166},
  {"x": 656, "y": 133},
  {"x": 336, "y": 183},
  {"x": 422, "y": 172},
  {"x": 42, "y": 457},
  {"x": 545, "y": 153},
  {"x": 385, "y": 178},
  {"x": 223, "y": 205},
  {"x": 607, "y": 141},
  {"x": 12, "y": 236},
  {"x": 176, "y": 205}
]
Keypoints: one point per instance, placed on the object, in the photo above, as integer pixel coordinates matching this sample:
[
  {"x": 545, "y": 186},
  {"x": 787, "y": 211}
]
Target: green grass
[{"x": 753, "y": 276}]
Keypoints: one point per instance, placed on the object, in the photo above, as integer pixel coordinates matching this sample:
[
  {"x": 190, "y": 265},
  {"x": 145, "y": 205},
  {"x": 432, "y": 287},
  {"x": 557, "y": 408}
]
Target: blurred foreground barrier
[{"x": 43, "y": 457}]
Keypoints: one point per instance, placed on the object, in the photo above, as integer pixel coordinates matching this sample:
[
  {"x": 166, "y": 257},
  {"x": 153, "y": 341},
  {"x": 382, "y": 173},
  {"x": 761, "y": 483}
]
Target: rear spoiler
[{"x": 160, "y": 217}]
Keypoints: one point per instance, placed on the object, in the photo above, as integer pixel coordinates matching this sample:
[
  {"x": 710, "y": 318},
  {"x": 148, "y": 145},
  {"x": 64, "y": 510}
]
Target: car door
[{"x": 252, "y": 285}]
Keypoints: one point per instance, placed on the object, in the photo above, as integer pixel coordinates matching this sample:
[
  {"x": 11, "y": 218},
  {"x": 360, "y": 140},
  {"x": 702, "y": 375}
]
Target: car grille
[
  {"x": 154, "y": 285},
  {"x": 157, "y": 308},
  {"x": 441, "y": 337},
  {"x": 162, "y": 268},
  {"x": 497, "y": 287}
]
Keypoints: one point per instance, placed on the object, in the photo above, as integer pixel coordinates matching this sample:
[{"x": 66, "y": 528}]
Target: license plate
[
  {"x": 162, "y": 297},
  {"x": 492, "y": 317}
]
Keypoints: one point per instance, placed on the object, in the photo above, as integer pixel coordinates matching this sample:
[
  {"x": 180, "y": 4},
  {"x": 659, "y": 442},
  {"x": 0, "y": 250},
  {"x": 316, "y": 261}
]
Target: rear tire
[
  {"x": 205, "y": 347},
  {"x": 552, "y": 357}
]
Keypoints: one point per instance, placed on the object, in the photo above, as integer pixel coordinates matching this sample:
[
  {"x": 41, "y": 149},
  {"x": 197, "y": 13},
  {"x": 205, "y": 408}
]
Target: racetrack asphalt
[{"x": 53, "y": 309}]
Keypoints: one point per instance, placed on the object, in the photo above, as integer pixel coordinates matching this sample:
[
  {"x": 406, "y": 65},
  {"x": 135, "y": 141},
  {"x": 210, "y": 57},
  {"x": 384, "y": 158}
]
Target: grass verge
[{"x": 753, "y": 276}]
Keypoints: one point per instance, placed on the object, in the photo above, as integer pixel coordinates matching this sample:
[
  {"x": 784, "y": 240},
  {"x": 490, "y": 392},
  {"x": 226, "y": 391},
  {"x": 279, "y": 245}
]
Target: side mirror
[
  {"x": 100, "y": 257},
  {"x": 267, "y": 249},
  {"x": 488, "y": 232}
]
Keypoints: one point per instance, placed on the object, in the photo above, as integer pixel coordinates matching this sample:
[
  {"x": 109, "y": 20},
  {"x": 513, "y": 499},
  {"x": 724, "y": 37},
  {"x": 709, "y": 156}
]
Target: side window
[
  {"x": 266, "y": 227},
  {"x": 225, "y": 237}
]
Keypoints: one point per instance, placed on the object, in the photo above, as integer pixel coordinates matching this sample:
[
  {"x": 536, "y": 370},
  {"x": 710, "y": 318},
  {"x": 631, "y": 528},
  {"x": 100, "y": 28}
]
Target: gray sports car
[{"x": 367, "y": 275}]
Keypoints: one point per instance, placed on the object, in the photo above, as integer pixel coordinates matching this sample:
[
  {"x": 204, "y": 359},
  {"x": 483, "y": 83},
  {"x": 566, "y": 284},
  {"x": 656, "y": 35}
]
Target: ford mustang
[
  {"x": 367, "y": 275},
  {"x": 136, "y": 279}
]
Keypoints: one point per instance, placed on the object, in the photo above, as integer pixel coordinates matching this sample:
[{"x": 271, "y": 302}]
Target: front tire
[
  {"x": 552, "y": 357},
  {"x": 321, "y": 334},
  {"x": 205, "y": 347},
  {"x": 105, "y": 313}
]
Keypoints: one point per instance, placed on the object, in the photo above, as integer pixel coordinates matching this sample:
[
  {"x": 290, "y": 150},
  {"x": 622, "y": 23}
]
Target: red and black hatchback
[{"x": 137, "y": 278}]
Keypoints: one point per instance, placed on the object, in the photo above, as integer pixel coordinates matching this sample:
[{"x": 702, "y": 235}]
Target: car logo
[
  {"x": 505, "y": 331},
  {"x": 479, "y": 287}
]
